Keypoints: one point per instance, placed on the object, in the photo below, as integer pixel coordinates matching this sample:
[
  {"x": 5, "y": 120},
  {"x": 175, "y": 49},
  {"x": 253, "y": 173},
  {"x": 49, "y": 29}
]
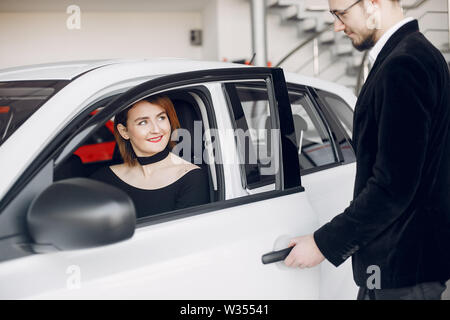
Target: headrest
[
  {"x": 187, "y": 115},
  {"x": 300, "y": 125}
]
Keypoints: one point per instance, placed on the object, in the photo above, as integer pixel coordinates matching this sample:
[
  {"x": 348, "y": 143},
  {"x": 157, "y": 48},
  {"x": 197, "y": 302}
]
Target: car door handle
[{"x": 276, "y": 256}]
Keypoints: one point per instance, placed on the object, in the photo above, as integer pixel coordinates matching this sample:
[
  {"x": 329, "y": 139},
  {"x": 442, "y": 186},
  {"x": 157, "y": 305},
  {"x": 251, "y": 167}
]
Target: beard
[{"x": 367, "y": 43}]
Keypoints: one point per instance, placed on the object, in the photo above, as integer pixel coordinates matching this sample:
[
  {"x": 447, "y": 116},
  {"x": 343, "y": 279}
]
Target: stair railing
[
  {"x": 331, "y": 27},
  {"x": 362, "y": 74},
  {"x": 313, "y": 37}
]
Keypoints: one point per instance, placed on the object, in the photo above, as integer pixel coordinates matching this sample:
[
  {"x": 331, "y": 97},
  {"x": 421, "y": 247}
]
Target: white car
[{"x": 62, "y": 236}]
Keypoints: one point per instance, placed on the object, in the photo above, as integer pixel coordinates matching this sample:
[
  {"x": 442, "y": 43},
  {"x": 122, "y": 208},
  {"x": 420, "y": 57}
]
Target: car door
[
  {"x": 328, "y": 169},
  {"x": 212, "y": 251}
]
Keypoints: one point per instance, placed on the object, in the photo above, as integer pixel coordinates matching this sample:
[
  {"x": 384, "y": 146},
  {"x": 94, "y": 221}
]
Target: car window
[
  {"x": 256, "y": 141},
  {"x": 313, "y": 138},
  {"x": 20, "y": 99},
  {"x": 98, "y": 151},
  {"x": 340, "y": 108}
]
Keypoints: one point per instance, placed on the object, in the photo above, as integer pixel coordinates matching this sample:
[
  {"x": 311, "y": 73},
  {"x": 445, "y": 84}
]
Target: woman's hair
[{"x": 125, "y": 147}]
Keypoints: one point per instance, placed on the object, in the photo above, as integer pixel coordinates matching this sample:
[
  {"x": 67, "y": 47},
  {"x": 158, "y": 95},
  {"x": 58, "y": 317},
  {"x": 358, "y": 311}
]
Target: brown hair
[{"x": 125, "y": 147}]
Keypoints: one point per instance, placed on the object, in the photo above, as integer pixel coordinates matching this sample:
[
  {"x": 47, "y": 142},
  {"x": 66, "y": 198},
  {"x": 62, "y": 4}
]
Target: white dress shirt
[{"x": 373, "y": 54}]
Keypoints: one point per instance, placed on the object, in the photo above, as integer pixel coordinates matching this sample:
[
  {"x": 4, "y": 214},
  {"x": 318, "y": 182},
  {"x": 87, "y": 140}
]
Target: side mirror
[{"x": 80, "y": 213}]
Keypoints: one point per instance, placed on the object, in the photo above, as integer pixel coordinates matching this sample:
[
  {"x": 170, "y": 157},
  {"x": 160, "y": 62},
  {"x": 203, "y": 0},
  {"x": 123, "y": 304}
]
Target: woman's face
[{"x": 148, "y": 128}]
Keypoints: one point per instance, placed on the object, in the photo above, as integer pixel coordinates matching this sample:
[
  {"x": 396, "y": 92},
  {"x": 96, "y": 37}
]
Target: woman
[{"x": 155, "y": 179}]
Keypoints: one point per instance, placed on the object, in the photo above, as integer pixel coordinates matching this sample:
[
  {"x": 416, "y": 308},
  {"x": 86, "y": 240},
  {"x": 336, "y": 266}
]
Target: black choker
[{"x": 154, "y": 158}]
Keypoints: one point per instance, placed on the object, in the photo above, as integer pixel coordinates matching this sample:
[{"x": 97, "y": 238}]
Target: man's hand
[{"x": 305, "y": 254}]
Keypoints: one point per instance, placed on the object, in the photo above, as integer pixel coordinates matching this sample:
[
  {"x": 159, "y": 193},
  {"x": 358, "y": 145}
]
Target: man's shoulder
[{"x": 415, "y": 50}]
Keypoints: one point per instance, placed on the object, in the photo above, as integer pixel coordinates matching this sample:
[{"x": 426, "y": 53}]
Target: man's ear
[
  {"x": 373, "y": 15},
  {"x": 123, "y": 131},
  {"x": 371, "y": 6}
]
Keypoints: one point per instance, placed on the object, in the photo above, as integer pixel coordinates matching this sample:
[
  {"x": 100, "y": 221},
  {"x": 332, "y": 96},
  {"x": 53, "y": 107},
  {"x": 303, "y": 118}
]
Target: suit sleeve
[{"x": 403, "y": 102}]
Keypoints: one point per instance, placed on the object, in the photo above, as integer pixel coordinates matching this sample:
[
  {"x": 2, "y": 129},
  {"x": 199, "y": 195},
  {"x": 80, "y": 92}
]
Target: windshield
[{"x": 20, "y": 99}]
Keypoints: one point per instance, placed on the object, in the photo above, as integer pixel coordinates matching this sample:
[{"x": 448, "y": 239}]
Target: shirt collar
[{"x": 373, "y": 54}]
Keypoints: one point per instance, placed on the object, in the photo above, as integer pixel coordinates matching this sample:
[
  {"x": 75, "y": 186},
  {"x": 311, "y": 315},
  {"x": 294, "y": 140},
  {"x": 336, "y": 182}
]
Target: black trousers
[{"x": 421, "y": 291}]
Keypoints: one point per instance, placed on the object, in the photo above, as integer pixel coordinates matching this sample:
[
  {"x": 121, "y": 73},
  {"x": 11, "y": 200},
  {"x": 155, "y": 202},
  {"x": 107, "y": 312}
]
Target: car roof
[
  {"x": 72, "y": 69},
  {"x": 156, "y": 67}
]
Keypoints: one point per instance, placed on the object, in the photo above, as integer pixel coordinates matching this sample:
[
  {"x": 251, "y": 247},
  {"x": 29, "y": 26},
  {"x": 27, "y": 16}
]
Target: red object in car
[
  {"x": 4, "y": 109},
  {"x": 96, "y": 152},
  {"x": 101, "y": 151}
]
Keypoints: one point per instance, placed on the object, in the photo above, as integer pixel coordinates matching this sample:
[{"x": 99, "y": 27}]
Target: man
[{"x": 397, "y": 228}]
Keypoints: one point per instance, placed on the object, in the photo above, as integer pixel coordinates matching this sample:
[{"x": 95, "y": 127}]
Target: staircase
[{"x": 328, "y": 55}]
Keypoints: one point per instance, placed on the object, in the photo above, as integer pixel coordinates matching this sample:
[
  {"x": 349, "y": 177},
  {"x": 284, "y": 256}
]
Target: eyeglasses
[{"x": 338, "y": 13}]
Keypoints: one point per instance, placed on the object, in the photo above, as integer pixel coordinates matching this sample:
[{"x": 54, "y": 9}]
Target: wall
[
  {"x": 233, "y": 30},
  {"x": 36, "y": 34},
  {"x": 38, "y": 37},
  {"x": 231, "y": 38},
  {"x": 210, "y": 15}
]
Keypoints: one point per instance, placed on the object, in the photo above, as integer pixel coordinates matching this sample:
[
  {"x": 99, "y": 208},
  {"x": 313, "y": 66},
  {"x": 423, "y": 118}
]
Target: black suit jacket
[{"x": 399, "y": 219}]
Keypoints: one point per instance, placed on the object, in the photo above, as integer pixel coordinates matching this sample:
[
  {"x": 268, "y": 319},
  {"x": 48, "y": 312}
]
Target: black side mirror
[{"x": 81, "y": 213}]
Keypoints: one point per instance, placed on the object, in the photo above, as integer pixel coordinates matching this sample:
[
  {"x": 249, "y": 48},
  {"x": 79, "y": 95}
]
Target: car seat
[
  {"x": 300, "y": 126},
  {"x": 188, "y": 113}
]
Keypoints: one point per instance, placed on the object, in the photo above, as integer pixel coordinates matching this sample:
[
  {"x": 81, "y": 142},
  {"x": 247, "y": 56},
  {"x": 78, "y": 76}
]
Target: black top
[{"x": 189, "y": 190}]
